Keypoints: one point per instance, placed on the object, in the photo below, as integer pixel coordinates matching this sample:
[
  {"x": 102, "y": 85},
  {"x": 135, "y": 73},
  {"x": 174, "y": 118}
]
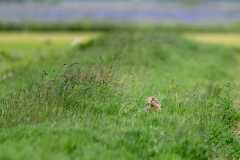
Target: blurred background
[
  {"x": 33, "y": 29},
  {"x": 110, "y": 14}
]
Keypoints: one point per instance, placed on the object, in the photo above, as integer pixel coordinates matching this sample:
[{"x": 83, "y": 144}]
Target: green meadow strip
[{"x": 84, "y": 104}]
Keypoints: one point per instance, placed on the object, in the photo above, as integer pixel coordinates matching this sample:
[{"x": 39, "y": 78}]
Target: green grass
[
  {"x": 101, "y": 25},
  {"x": 87, "y": 110},
  {"x": 23, "y": 48},
  {"x": 230, "y": 40}
]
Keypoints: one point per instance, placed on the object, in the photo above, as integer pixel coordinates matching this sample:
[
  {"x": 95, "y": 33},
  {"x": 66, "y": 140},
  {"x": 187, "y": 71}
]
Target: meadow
[
  {"x": 81, "y": 102},
  {"x": 21, "y": 48}
]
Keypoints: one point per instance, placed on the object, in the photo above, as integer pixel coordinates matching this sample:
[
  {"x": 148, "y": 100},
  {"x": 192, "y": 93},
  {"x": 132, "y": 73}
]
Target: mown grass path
[{"x": 228, "y": 39}]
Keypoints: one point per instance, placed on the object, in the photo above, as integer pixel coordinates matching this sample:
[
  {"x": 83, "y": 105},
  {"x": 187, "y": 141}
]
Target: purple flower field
[{"x": 123, "y": 12}]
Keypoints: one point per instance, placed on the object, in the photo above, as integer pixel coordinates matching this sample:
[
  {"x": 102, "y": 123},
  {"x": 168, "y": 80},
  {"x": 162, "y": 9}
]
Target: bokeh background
[
  {"x": 105, "y": 14},
  {"x": 75, "y": 76}
]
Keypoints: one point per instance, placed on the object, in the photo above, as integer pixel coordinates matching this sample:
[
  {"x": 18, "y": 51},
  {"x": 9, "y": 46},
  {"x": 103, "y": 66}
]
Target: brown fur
[{"x": 154, "y": 104}]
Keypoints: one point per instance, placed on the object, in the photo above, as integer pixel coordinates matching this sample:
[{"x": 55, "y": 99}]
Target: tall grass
[
  {"x": 199, "y": 123},
  {"x": 88, "y": 111},
  {"x": 94, "y": 90}
]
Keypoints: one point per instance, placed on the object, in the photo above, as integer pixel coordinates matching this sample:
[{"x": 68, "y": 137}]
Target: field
[
  {"x": 227, "y": 39},
  {"x": 82, "y": 101},
  {"x": 22, "y": 48},
  {"x": 230, "y": 40}
]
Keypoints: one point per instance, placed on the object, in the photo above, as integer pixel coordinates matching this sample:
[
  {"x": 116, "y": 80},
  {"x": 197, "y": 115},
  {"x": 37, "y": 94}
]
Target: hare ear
[{"x": 153, "y": 98}]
